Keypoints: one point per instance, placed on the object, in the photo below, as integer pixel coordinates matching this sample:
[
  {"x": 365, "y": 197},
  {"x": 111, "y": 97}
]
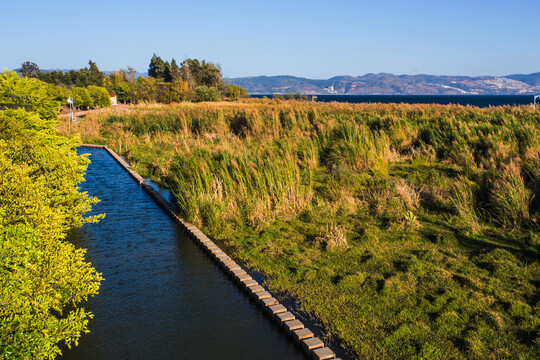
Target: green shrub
[
  {"x": 81, "y": 97},
  {"x": 43, "y": 278},
  {"x": 235, "y": 92},
  {"x": 100, "y": 96},
  {"x": 204, "y": 93}
]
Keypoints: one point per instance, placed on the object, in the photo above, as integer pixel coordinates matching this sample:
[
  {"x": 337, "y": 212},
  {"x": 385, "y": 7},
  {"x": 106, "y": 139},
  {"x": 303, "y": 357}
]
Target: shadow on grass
[{"x": 491, "y": 239}]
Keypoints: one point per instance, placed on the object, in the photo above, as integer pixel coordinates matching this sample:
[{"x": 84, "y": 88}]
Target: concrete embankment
[{"x": 267, "y": 303}]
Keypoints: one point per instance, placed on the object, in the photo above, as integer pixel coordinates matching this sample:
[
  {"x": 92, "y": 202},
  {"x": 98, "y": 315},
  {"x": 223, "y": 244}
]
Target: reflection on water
[{"x": 162, "y": 298}]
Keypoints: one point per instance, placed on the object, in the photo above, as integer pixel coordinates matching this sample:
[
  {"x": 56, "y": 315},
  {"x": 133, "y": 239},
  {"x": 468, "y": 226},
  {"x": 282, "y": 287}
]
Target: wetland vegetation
[{"x": 409, "y": 231}]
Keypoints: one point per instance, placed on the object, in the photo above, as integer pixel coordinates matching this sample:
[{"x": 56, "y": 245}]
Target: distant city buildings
[{"x": 330, "y": 90}]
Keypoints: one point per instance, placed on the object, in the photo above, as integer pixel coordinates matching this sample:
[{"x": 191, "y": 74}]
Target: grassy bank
[{"x": 409, "y": 231}]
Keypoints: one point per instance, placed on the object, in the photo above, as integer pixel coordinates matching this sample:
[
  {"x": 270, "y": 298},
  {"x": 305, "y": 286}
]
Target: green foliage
[
  {"x": 42, "y": 277},
  {"x": 171, "y": 92},
  {"x": 167, "y": 83},
  {"x": 95, "y": 77},
  {"x": 156, "y": 69},
  {"x": 100, "y": 96},
  {"x": 29, "y": 69},
  {"x": 123, "y": 93},
  {"x": 203, "y": 73},
  {"x": 464, "y": 204},
  {"x": 170, "y": 72},
  {"x": 119, "y": 84},
  {"x": 81, "y": 97},
  {"x": 175, "y": 71},
  {"x": 18, "y": 91},
  {"x": 80, "y": 78},
  {"x": 167, "y": 74},
  {"x": 144, "y": 90},
  {"x": 203, "y": 93},
  {"x": 58, "y": 93},
  {"x": 235, "y": 92}
]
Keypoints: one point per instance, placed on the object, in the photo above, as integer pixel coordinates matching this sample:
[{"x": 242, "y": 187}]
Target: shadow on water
[{"x": 162, "y": 298}]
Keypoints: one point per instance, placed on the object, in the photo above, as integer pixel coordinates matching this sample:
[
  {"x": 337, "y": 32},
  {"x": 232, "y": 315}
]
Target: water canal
[{"x": 162, "y": 298}]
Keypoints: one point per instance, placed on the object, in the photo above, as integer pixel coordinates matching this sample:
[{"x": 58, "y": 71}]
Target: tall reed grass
[{"x": 217, "y": 187}]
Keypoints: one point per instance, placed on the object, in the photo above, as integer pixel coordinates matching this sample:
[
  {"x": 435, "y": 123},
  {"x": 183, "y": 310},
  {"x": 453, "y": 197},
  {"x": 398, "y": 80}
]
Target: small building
[{"x": 114, "y": 101}]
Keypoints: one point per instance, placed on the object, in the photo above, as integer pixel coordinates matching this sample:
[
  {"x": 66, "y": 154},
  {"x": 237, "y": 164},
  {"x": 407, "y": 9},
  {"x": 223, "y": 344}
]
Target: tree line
[{"x": 167, "y": 82}]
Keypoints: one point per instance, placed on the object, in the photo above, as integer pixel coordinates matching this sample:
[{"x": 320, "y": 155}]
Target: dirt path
[{"x": 64, "y": 110}]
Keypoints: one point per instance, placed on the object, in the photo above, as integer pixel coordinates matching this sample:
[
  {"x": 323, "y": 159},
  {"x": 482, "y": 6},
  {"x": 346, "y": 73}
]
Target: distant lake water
[{"x": 471, "y": 100}]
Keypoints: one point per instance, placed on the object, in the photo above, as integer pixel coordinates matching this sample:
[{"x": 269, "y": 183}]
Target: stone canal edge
[{"x": 295, "y": 329}]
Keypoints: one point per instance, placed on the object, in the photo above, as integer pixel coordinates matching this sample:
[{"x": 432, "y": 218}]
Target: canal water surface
[{"x": 161, "y": 297}]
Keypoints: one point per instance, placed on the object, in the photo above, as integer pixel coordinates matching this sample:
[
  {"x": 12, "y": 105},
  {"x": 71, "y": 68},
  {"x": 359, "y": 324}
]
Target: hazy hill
[
  {"x": 531, "y": 79},
  {"x": 391, "y": 84}
]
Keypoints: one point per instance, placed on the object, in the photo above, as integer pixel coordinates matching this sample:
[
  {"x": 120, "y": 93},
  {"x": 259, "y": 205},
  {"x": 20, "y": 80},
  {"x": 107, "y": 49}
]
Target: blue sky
[{"x": 315, "y": 39}]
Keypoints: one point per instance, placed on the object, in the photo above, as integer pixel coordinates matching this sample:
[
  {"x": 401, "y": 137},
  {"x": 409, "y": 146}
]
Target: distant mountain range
[
  {"x": 389, "y": 84},
  {"x": 386, "y": 84}
]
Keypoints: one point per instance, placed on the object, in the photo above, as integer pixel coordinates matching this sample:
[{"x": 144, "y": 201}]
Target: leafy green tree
[
  {"x": 235, "y": 92},
  {"x": 31, "y": 92},
  {"x": 81, "y": 78},
  {"x": 166, "y": 94},
  {"x": 201, "y": 73},
  {"x": 205, "y": 93},
  {"x": 215, "y": 94},
  {"x": 29, "y": 69},
  {"x": 167, "y": 74},
  {"x": 100, "y": 96},
  {"x": 43, "y": 278},
  {"x": 172, "y": 92},
  {"x": 118, "y": 83},
  {"x": 156, "y": 69},
  {"x": 55, "y": 77},
  {"x": 146, "y": 90},
  {"x": 115, "y": 77},
  {"x": 57, "y": 93},
  {"x": 201, "y": 93},
  {"x": 175, "y": 70},
  {"x": 81, "y": 97},
  {"x": 95, "y": 77},
  {"x": 210, "y": 75},
  {"x": 123, "y": 92}
]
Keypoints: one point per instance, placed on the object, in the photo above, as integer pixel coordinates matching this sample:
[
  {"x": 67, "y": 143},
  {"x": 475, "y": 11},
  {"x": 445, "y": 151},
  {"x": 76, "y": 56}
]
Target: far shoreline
[{"x": 479, "y": 100}]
